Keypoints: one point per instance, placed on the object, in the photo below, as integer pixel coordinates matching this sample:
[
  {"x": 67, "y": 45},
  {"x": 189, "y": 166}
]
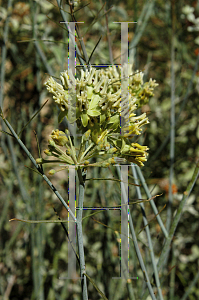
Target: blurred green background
[{"x": 34, "y": 45}]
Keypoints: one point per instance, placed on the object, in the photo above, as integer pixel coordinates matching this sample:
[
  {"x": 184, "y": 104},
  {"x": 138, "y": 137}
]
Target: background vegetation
[{"x": 34, "y": 45}]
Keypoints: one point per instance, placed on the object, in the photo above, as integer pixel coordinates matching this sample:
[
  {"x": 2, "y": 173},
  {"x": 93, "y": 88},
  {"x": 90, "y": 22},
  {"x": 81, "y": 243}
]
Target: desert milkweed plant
[{"x": 97, "y": 115}]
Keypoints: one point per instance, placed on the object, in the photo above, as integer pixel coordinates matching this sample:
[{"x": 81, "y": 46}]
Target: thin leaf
[
  {"x": 39, "y": 221},
  {"x": 81, "y": 7},
  {"x": 40, "y": 40},
  {"x": 6, "y": 133},
  {"x": 37, "y": 143},
  {"x": 152, "y": 219},
  {"x": 57, "y": 23},
  {"x": 100, "y": 17},
  {"x": 94, "y": 49},
  {"x": 32, "y": 118},
  {"x": 93, "y": 283},
  {"x": 95, "y": 19},
  {"x": 34, "y": 170},
  {"x": 59, "y": 7},
  {"x": 92, "y": 214}
]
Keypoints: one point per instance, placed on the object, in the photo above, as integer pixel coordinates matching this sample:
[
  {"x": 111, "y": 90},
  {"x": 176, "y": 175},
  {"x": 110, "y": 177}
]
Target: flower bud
[
  {"x": 51, "y": 143},
  {"x": 47, "y": 152},
  {"x": 51, "y": 172},
  {"x": 136, "y": 151},
  {"x": 141, "y": 158},
  {"x": 39, "y": 161},
  {"x": 138, "y": 146},
  {"x": 112, "y": 160},
  {"x": 86, "y": 135},
  {"x": 68, "y": 151},
  {"x": 61, "y": 140},
  {"x": 100, "y": 146},
  {"x": 67, "y": 132},
  {"x": 105, "y": 164}
]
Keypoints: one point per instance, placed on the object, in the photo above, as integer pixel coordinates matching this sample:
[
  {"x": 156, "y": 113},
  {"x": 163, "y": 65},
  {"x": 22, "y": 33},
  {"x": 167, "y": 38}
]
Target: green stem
[
  {"x": 172, "y": 121},
  {"x": 141, "y": 177},
  {"x": 147, "y": 233},
  {"x": 132, "y": 229},
  {"x": 192, "y": 284},
  {"x": 176, "y": 220},
  {"x": 142, "y": 23},
  {"x": 173, "y": 273},
  {"x": 82, "y": 177}
]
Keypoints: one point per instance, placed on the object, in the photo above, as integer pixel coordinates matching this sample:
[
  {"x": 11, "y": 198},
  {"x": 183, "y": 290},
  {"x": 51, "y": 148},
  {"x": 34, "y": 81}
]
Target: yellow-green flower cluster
[{"x": 97, "y": 113}]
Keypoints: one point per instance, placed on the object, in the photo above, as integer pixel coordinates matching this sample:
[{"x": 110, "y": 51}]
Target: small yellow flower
[{"x": 59, "y": 137}]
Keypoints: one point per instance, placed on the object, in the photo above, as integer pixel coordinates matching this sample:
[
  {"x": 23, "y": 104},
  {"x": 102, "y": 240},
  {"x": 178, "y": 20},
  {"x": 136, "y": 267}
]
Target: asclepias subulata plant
[{"x": 97, "y": 113}]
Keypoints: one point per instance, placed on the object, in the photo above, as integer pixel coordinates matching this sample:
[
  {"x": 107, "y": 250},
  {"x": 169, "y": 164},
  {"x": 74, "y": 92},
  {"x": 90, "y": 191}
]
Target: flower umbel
[{"x": 97, "y": 113}]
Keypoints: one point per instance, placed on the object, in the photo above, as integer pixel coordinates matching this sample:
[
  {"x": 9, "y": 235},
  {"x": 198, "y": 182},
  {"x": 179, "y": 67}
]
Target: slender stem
[
  {"x": 136, "y": 243},
  {"x": 192, "y": 284},
  {"x": 148, "y": 234},
  {"x": 43, "y": 58},
  {"x": 126, "y": 274},
  {"x": 173, "y": 273},
  {"x": 172, "y": 129},
  {"x": 142, "y": 23},
  {"x": 82, "y": 177},
  {"x": 141, "y": 177},
  {"x": 176, "y": 220}
]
